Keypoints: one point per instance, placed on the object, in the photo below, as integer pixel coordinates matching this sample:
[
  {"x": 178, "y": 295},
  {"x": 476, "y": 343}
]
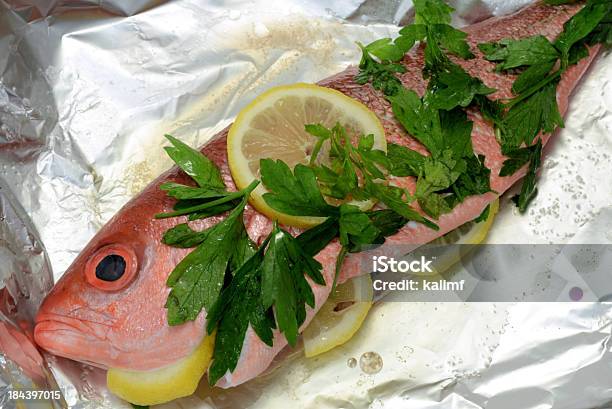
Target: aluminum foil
[{"x": 87, "y": 90}]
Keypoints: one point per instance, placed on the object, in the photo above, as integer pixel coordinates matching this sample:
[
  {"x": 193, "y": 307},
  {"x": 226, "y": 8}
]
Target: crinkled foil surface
[{"x": 88, "y": 88}]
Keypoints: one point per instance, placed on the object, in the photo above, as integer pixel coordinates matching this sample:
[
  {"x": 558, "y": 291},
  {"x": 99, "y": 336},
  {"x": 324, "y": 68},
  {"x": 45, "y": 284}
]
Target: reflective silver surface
[{"x": 87, "y": 91}]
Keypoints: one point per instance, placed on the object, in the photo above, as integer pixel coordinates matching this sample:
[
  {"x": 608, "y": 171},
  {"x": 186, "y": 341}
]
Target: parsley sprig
[
  {"x": 379, "y": 62},
  {"x": 541, "y": 63},
  {"x": 356, "y": 172},
  {"x": 437, "y": 120},
  {"x": 518, "y": 121},
  {"x": 226, "y": 274},
  {"x": 302, "y": 192},
  {"x": 265, "y": 287},
  {"x": 273, "y": 276},
  {"x": 206, "y": 199},
  {"x": 197, "y": 280},
  {"x": 349, "y": 163}
]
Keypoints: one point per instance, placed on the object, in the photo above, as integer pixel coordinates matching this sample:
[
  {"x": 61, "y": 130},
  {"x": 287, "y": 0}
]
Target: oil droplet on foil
[
  {"x": 351, "y": 362},
  {"x": 370, "y": 363}
]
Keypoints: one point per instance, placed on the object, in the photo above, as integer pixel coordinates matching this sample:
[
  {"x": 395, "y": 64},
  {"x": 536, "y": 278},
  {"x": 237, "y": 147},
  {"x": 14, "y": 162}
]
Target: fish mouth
[
  {"x": 98, "y": 344},
  {"x": 72, "y": 338}
]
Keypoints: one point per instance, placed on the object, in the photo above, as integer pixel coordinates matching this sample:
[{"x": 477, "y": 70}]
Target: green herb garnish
[
  {"x": 273, "y": 276},
  {"x": 267, "y": 286},
  {"x": 239, "y": 284},
  {"x": 356, "y": 172},
  {"x": 198, "y": 279},
  {"x": 534, "y": 110},
  {"x": 201, "y": 169},
  {"x": 238, "y": 307},
  {"x": 295, "y": 193},
  {"x": 452, "y": 171},
  {"x": 517, "y": 158}
]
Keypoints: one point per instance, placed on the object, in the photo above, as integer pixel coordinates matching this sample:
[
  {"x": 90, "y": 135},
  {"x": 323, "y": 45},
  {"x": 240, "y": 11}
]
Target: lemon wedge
[
  {"x": 340, "y": 317},
  {"x": 272, "y": 126},
  {"x": 165, "y": 384}
]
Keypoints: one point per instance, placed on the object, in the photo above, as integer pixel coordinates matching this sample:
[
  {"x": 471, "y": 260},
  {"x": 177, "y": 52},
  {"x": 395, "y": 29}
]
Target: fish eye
[{"x": 112, "y": 267}]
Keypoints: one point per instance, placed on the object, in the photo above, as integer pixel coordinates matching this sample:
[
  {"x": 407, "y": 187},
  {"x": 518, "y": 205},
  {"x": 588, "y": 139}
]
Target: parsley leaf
[
  {"x": 387, "y": 222},
  {"x": 283, "y": 283},
  {"x": 476, "y": 180},
  {"x": 532, "y": 76},
  {"x": 580, "y": 26},
  {"x": 451, "y": 39},
  {"x": 209, "y": 197},
  {"x": 431, "y": 23},
  {"x": 208, "y": 207},
  {"x": 437, "y": 175},
  {"x": 356, "y": 226},
  {"x": 313, "y": 240},
  {"x": 484, "y": 215},
  {"x": 518, "y": 53},
  {"x": 398, "y": 200},
  {"x": 187, "y": 206},
  {"x": 268, "y": 290},
  {"x": 528, "y": 189},
  {"x": 192, "y": 162},
  {"x": 197, "y": 280},
  {"x": 419, "y": 119},
  {"x": 322, "y": 134},
  {"x": 457, "y": 133},
  {"x": 602, "y": 34},
  {"x": 517, "y": 158},
  {"x": 444, "y": 179},
  {"x": 385, "y": 49},
  {"x": 491, "y": 110},
  {"x": 238, "y": 306},
  {"x": 183, "y": 192},
  {"x": 348, "y": 163},
  {"x": 300, "y": 193},
  {"x": 244, "y": 249},
  {"x": 430, "y": 12},
  {"x": 454, "y": 87},
  {"x": 404, "y": 161},
  {"x": 524, "y": 121},
  {"x": 380, "y": 74},
  {"x": 295, "y": 193},
  {"x": 183, "y": 236},
  {"x": 409, "y": 35},
  {"x": 535, "y": 108}
]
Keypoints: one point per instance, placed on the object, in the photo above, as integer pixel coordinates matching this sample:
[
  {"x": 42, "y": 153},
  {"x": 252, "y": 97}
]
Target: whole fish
[{"x": 123, "y": 324}]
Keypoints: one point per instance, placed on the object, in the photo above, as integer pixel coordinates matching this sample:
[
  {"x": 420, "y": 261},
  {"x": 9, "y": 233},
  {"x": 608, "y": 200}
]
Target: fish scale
[{"x": 128, "y": 328}]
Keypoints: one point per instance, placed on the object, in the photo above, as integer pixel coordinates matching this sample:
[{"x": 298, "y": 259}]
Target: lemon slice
[
  {"x": 340, "y": 317},
  {"x": 272, "y": 126},
  {"x": 447, "y": 251},
  {"x": 162, "y": 385}
]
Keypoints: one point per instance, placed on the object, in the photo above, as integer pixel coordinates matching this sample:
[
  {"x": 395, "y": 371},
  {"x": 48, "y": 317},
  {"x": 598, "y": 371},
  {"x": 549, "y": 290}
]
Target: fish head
[{"x": 108, "y": 309}]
